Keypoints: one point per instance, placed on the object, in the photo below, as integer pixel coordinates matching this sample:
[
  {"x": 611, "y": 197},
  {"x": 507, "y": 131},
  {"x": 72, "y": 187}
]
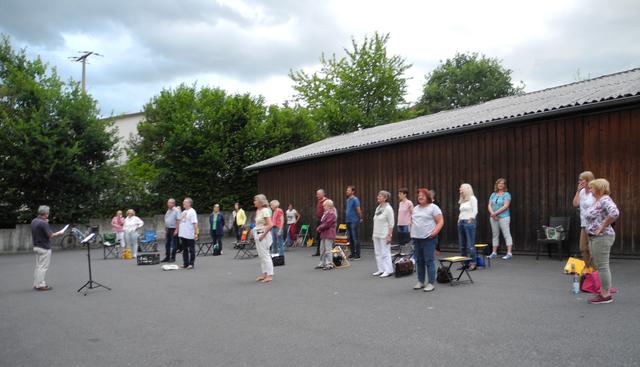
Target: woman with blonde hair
[
  {"x": 467, "y": 224},
  {"x": 262, "y": 236},
  {"x": 583, "y": 199},
  {"x": 599, "y": 218},
  {"x": 499, "y": 203}
]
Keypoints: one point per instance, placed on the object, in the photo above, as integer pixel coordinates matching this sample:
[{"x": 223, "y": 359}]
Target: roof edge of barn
[{"x": 597, "y": 102}]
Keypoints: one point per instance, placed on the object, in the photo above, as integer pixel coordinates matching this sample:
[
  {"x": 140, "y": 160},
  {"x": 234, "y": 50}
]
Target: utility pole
[{"x": 83, "y": 59}]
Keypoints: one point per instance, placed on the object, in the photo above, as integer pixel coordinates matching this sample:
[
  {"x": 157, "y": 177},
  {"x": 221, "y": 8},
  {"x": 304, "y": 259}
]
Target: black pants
[
  {"x": 188, "y": 251},
  {"x": 238, "y": 230},
  {"x": 317, "y": 239},
  {"x": 217, "y": 238},
  {"x": 170, "y": 244}
]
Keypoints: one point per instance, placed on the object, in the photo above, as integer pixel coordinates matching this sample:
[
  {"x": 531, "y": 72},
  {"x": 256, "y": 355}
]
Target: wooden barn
[{"x": 538, "y": 141}]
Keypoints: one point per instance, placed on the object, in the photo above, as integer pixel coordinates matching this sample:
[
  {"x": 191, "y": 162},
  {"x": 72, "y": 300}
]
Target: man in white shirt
[{"x": 187, "y": 227}]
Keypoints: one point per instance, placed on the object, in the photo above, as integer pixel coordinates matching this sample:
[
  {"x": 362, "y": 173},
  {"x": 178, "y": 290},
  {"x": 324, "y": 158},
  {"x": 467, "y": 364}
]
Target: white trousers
[
  {"x": 120, "y": 237},
  {"x": 383, "y": 255},
  {"x": 501, "y": 225},
  {"x": 43, "y": 259},
  {"x": 266, "y": 264}
]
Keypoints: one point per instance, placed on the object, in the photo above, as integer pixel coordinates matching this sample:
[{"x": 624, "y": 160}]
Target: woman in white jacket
[
  {"x": 383, "y": 221},
  {"x": 131, "y": 226},
  {"x": 467, "y": 224}
]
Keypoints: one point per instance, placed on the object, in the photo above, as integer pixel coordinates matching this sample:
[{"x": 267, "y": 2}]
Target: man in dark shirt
[{"x": 41, "y": 235}]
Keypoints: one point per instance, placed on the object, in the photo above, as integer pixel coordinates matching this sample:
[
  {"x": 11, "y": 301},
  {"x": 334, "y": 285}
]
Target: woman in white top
[
  {"x": 426, "y": 223},
  {"x": 467, "y": 224},
  {"x": 292, "y": 218},
  {"x": 262, "y": 236},
  {"x": 131, "y": 226},
  {"x": 383, "y": 221},
  {"x": 583, "y": 200}
]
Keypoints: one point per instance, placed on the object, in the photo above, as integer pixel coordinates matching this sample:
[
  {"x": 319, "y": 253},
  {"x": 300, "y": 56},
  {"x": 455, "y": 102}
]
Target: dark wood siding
[{"x": 540, "y": 160}]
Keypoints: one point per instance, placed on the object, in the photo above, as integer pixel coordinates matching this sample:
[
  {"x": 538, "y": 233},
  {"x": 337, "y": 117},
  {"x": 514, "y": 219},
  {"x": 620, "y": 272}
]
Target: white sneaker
[
  {"x": 384, "y": 275},
  {"x": 493, "y": 255},
  {"x": 377, "y": 273},
  {"x": 507, "y": 257},
  {"x": 418, "y": 286},
  {"x": 429, "y": 288}
]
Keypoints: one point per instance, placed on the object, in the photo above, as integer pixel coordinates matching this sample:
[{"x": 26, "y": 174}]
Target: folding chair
[
  {"x": 110, "y": 246},
  {"x": 246, "y": 248},
  {"x": 149, "y": 241},
  {"x": 204, "y": 248},
  {"x": 448, "y": 262},
  {"x": 302, "y": 236},
  {"x": 342, "y": 239}
]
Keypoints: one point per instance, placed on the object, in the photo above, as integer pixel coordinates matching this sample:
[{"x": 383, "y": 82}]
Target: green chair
[{"x": 110, "y": 246}]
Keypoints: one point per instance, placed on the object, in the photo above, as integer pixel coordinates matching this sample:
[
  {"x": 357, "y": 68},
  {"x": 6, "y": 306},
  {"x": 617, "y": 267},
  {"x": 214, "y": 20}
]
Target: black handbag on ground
[
  {"x": 403, "y": 267},
  {"x": 441, "y": 275},
  {"x": 277, "y": 260}
]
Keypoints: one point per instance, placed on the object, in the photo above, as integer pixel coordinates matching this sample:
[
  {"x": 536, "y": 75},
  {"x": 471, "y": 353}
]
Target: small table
[
  {"x": 448, "y": 262},
  {"x": 480, "y": 252}
]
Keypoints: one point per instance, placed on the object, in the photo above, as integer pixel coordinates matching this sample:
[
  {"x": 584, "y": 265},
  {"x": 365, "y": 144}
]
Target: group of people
[{"x": 421, "y": 224}]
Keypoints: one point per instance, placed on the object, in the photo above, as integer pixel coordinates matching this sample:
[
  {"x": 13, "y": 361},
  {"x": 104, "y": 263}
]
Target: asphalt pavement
[{"x": 517, "y": 313}]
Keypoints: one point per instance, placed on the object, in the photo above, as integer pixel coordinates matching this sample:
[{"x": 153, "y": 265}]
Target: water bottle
[{"x": 575, "y": 289}]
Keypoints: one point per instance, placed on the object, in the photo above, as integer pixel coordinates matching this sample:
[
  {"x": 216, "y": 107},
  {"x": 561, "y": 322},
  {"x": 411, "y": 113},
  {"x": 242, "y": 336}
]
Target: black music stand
[{"x": 90, "y": 284}]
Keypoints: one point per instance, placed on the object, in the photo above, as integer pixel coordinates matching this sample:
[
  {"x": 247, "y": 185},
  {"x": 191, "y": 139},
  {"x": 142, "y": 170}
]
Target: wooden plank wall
[{"x": 541, "y": 161}]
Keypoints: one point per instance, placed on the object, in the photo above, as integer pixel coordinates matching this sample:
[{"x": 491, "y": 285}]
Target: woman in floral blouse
[{"x": 599, "y": 218}]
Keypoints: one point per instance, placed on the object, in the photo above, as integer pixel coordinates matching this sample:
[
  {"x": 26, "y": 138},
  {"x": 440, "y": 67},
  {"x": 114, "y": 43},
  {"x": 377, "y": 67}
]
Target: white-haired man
[{"x": 41, "y": 235}]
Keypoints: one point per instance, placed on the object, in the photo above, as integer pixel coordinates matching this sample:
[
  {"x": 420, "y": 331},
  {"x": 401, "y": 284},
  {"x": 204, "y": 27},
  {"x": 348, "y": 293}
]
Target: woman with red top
[
  {"x": 117, "y": 225},
  {"x": 327, "y": 230},
  {"x": 277, "y": 218}
]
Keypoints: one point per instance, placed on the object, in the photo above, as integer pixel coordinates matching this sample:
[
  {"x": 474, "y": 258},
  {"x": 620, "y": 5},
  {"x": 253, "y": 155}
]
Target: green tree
[
  {"x": 54, "y": 149},
  {"x": 197, "y": 141},
  {"x": 363, "y": 89},
  {"x": 465, "y": 80}
]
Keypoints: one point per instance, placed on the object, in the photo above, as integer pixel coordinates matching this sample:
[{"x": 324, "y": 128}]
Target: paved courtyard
[{"x": 518, "y": 313}]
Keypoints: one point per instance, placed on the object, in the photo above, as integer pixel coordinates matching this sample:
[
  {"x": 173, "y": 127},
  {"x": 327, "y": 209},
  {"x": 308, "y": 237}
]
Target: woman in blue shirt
[{"x": 499, "y": 202}]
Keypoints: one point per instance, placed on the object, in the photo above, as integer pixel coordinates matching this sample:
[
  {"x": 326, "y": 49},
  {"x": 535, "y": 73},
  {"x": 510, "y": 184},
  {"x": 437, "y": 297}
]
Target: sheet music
[
  {"x": 88, "y": 238},
  {"x": 65, "y": 228}
]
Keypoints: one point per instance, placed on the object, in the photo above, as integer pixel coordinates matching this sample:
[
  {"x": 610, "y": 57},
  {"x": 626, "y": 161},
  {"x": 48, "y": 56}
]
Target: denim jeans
[
  {"x": 354, "y": 242},
  {"x": 404, "y": 236},
  {"x": 170, "y": 244},
  {"x": 425, "y": 249},
  {"x": 188, "y": 251},
  {"x": 277, "y": 247},
  {"x": 467, "y": 239}
]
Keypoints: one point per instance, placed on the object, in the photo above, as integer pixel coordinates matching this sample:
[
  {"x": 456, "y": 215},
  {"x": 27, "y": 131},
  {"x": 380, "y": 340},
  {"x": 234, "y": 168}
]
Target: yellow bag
[
  {"x": 310, "y": 242},
  {"x": 579, "y": 265},
  {"x": 127, "y": 255}
]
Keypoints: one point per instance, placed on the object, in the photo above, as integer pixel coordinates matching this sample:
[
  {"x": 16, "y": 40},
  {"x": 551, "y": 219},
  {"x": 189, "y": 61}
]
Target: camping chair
[
  {"x": 302, "y": 236},
  {"x": 342, "y": 239},
  {"x": 247, "y": 247},
  {"x": 552, "y": 235},
  {"x": 149, "y": 241},
  {"x": 204, "y": 248},
  {"x": 110, "y": 246}
]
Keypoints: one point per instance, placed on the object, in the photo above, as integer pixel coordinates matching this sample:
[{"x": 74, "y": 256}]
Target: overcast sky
[{"x": 250, "y": 46}]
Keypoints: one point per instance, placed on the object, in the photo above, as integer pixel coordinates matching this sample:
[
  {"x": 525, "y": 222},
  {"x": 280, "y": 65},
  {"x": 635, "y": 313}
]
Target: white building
[{"x": 127, "y": 125}]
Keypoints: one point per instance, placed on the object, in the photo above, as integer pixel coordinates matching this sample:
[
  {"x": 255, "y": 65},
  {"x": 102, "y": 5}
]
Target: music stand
[{"x": 90, "y": 284}]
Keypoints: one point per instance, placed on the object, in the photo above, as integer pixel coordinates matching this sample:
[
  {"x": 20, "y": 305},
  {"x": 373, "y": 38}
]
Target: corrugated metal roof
[{"x": 575, "y": 95}]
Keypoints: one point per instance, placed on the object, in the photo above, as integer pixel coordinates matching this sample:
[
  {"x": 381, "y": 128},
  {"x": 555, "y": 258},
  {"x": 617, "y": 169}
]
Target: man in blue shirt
[{"x": 353, "y": 217}]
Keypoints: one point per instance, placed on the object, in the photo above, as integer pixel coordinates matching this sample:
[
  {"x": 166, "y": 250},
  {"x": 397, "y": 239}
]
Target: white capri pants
[
  {"x": 383, "y": 255},
  {"x": 266, "y": 264},
  {"x": 120, "y": 237},
  {"x": 501, "y": 225},
  {"x": 43, "y": 259},
  {"x": 131, "y": 239}
]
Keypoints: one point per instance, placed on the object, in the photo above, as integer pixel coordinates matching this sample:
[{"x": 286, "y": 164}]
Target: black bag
[
  {"x": 148, "y": 259},
  {"x": 216, "y": 251},
  {"x": 403, "y": 267},
  {"x": 443, "y": 275},
  {"x": 277, "y": 260}
]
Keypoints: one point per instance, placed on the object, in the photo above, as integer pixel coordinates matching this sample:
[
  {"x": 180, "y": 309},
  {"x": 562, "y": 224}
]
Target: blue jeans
[
  {"x": 403, "y": 235},
  {"x": 467, "y": 239},
  {"x": 170, "y": 244},
  {"x": 354, "y": 242},
  {"x": 425, "y": 251},
  {"x": 278, "y": 243}
]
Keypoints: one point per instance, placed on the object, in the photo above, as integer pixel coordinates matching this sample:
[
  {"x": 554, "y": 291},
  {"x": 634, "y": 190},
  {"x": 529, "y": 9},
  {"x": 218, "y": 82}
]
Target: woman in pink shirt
[
  {"x": 405, "y": 207},
  {"x": 117, "y": 225}
]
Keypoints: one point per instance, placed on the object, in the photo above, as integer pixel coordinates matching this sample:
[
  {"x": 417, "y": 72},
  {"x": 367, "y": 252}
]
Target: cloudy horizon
[{"x": 246, "y": 46}]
